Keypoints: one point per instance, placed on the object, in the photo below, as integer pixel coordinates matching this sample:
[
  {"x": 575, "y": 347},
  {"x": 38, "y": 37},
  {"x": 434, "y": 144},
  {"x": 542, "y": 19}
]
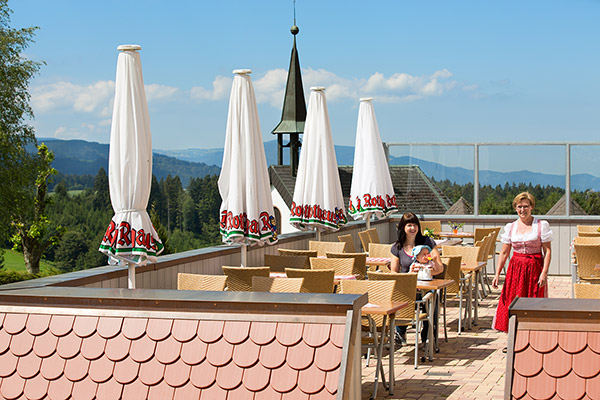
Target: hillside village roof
[
  {"x": 559, "y": 207},
  {"x": 414, "y": 190}
]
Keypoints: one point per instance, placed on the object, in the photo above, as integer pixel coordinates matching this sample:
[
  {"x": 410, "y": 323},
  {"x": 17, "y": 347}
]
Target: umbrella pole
[
  {"x": 244, "y": 255},
  {"x": 318, "y": 235},
  {"x": 131, "y": 275},
  {"x": 368, "y": 220}
]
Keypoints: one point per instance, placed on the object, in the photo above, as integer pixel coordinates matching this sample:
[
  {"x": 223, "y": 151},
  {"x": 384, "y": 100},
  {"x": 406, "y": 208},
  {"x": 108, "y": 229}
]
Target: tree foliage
[{"x": 15, "y": 73}]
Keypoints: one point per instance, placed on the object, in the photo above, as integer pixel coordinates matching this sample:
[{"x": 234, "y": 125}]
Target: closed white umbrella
[
  {"x": 247, "y": 207},
  {"x": 317, "y": 202},
  {"x": 372, "y": 191},
  {"x": 130, "y": 237}
]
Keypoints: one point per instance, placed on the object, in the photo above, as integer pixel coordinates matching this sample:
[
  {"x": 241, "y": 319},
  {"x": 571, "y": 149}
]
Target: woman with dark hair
[{"x": 410, "y": 236}]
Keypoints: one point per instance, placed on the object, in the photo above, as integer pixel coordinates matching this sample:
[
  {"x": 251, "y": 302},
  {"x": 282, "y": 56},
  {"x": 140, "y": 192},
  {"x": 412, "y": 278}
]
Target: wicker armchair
[
  {"x": 239, "y": 279},
  {"x": 315, "y": 280},
  {"x": 323, "y": 248},
  {"x": 341, "y": 266},
  {"x": 457, "y": 289},
  {"x": 294, "y": 252},
  {"x": 587, "y": 291},
  {"x": 365, "y": 239},
  {"x": 279, "y": 263},
  {"x": 201, "y": 282},
  {"x": 373, "y": 235},
  {"x": 436, "y": 226},
  {"x": 588, "y": 256},
  {"x": 279, "y": 285},
  {"x": 405, "y": 289},
  {"x": 349, "y": 242},
  {"x": 380, "y": 250},
  {"x": 360, "y": 262}
]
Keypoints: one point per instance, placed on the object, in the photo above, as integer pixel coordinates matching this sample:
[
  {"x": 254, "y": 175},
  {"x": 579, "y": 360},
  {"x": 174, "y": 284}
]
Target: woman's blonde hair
[{"x": 524, "y": 196}]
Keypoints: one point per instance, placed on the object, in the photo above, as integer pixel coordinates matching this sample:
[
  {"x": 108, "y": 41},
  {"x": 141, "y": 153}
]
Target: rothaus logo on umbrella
[
  {"x": 124, "y": 238},
  {"x": 312, "y": 213},
  {"x": 370, "y": 203},
  {"x": 240, "y": 223}
]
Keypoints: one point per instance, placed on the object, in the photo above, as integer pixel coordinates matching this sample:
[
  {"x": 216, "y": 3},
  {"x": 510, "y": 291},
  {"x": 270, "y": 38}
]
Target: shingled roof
[
  {"x": 414, "y": 190},
  {"x": 461, "y": 207},
  {"x": 559, "y": 207}
]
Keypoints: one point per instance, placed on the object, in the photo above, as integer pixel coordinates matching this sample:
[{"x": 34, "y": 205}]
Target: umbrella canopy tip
[
  {"x": 366, "y": 99},
  {"x": 242, "y": 71},
  {"x": 318, "y": 88},
  {"x": 129, "y": 47}
]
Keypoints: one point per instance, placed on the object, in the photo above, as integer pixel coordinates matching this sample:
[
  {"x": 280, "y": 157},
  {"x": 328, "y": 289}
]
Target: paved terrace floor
[{"x": 469, "y": 366}]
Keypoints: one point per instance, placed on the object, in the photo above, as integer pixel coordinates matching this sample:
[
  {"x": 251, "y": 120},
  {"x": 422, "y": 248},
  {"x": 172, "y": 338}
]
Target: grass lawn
[{"x": 13, "y": 260}]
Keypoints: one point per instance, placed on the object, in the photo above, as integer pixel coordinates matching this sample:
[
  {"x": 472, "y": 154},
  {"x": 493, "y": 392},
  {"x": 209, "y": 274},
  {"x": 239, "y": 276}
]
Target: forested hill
[{"x": 80, "y": 157}]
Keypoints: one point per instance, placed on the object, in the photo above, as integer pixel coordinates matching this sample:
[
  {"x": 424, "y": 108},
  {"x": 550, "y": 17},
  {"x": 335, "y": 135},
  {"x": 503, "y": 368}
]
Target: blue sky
[{"x": 448, "y": 71}]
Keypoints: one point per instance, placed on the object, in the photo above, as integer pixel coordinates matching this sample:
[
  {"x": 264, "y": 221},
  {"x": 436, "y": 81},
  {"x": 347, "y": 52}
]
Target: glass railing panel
[
  {"x": 585, "y": 180},
  {"x": 433, "y": 179},
  {"x": 506, "y": 170}
]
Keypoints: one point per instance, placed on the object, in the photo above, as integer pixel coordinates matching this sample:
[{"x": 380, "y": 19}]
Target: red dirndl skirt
[{"x": 522, "y": 278}]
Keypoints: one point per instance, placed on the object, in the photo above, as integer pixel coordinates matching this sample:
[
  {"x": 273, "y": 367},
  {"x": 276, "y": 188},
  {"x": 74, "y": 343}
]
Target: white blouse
[{"x": 510, "y": 235}]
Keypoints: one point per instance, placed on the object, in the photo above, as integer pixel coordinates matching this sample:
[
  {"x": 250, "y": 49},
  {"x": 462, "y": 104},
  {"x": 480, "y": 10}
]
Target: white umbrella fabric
[
  {"x": 317, "y": 202},
  {"x": 130, "y": 236},
  {"x": 247, "y": 208},
  {"x": 372, "y": 191}
]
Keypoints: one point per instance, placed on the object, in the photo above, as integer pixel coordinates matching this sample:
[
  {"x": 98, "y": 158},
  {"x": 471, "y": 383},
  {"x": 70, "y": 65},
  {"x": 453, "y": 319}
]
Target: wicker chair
[
  {"x": 323, "y": 247},
  {"x": 294, "y": 252},
  {"x": 457, "y": 289},
  {"x": 588, "y": 256},
  {"x": 341, "y": 266},
  {"x": 279, "y": 285},
  {"x": 349, "y": 243},
  {"x": 201, "y": 282},
  {"x": 279, "y": 263},
  {"x": 587, "y": 229},
  {"x": 405, "y": 289},
  {"x": 486, "y": 244},
  {"x": 436, "y": 226},
  {"x": 315, "y": 280},
  {"x": 480, "y": 233},
  {"x": 360, "y": 262},
  {"x": 380, "y": 250},
  {"x": 365, "y": 239},
  {"x": 587, "y": 291},
  {"x": 379, "y": 292},
  {"x": 239, "y": 279},
  {"x": 373, "y": 235},
  {"x": 586, "y": 240}
]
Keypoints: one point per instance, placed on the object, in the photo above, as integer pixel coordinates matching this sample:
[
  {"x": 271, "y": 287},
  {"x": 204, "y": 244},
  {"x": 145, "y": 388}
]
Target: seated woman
[{"x": 410, "y": 236}]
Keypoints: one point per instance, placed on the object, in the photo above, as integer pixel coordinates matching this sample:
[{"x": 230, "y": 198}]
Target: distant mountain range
[{"x": 81, "y": 157}]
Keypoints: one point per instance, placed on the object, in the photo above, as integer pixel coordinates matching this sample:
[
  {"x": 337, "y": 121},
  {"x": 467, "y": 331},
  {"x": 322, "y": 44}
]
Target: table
[
  {"x": 385, "y": 309},
  {"x": 435, "y": 285},
  {"x": 379, "y": 261},
  {"x": 475, "y": 268},
  {"x": 448, "y": 242},
  {"x": 457, "y": 235}
]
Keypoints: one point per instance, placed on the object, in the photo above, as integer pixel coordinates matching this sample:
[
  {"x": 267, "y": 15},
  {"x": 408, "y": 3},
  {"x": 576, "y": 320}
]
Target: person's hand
[
  {"x": 495, "y": 282},
  {"x": 415, "y": 268},
  {"x": 543, "y": 281}
]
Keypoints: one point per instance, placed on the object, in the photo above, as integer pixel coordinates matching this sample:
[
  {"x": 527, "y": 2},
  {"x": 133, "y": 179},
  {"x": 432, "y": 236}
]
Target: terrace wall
[{"x": 163, "y": 274}]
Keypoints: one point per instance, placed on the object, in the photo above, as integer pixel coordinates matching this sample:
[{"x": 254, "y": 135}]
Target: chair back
[
  {"x": 587, "y": 229},
  {"x": 294, "y": 252},
  {"x": 436, "y": 226},
  {"x": 379, "y": 292},
  {"x": 365, "y": 239},
  {"x": 404, "y": 289},
  {"x": 589, "y": 234},
  {"x": 201, "y": 282},
  {"x": 586, "y": 240},
  {"x": 480, "y": 233},
  {"x": 588, "y": 256},
  {"x": 470, "y": 254},
  {"x": 341, "y": 266},
  {"x": 315, "y": 280},
  {"x": 373, "y": 235},
  {"x": 323, "y": 247},
  {"x": 486, "y": 246},
  {"x": 279, "y": 263},
  {"x": 587, "y": 291},
  {"x": 360, "y": 262},
  {"x": 349, "y": 242},
  {"x": 239, "y": 279},
  {"x": 380, "y": 250},
  {"x": 452, "y": 264},
  {"x": 279, "y": 285}
]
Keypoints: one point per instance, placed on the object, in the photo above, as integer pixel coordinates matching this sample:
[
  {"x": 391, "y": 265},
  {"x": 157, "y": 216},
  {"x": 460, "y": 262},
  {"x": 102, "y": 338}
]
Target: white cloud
[
  {"x": 79, "y": 98},
  {"x": 220, "y": 90},
  {"x": 157, "y": 92}
]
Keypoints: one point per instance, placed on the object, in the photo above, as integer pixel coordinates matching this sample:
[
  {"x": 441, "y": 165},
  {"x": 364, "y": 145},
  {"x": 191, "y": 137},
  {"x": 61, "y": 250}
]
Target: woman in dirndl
[{"x": 527, "y": 273}]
